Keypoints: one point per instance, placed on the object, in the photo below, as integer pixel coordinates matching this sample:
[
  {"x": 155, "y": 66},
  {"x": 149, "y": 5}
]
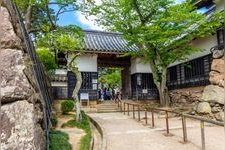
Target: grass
[
  {"x": 54, "y": 121},
  {"x": 59, "y": 141},
  {"x": 84, "y": 124}
]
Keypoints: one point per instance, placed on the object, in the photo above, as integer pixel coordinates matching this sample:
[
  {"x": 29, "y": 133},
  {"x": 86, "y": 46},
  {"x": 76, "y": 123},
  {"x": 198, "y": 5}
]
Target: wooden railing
[{"x": 133, "y": 107}]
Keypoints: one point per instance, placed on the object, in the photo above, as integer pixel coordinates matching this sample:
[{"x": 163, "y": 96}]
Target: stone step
[
  {"x": 107, "y": 107},
  {"x": 108, "y": 104},
  {"x": 107, "y": 111}
]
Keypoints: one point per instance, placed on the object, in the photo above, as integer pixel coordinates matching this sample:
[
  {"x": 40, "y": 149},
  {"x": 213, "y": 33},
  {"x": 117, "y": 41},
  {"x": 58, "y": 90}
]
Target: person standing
[
  {"x": 117, "y": 95},
  {"x": 108, "y": 94},
  {"x": 102, "y": 95}
]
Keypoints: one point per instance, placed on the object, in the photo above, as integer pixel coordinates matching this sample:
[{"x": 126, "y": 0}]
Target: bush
[
  {"x": 67, "y": 106},
  {"x": 47, "y": 59},
  {"x": 59, "y": 141},
  {"x": 54, "y": 121}
]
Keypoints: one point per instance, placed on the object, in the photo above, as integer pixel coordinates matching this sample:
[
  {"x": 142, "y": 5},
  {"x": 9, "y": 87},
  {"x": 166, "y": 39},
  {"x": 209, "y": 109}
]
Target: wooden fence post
[
  {"x": 146, "y": 117},
  {"x": 133, "y": 112},
  {"x": 184, "y": 128},
  {"x": 153, "y": 122},
  {"x": 139, "y": 117},
  {"x": 202, "y": 134}
]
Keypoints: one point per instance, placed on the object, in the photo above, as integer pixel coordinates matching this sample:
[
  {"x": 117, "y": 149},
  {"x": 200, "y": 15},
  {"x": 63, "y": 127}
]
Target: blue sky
[{"x": 78, "y": 19}]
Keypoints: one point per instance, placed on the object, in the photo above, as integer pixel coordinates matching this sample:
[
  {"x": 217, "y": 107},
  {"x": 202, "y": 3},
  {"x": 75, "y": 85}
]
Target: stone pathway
[{"x": 124, "y": 133}]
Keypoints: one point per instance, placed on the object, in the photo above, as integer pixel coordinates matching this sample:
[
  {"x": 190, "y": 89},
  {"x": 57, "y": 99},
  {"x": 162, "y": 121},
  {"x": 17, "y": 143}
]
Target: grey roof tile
[{"x": 100, "y": 41}]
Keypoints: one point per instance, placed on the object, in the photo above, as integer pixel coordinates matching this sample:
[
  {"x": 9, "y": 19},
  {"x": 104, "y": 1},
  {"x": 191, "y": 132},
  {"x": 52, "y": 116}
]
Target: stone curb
[{"x": 102, "y": 133}]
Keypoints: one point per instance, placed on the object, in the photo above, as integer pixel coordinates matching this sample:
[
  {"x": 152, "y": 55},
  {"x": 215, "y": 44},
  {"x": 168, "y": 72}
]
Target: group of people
[{"x": 110, "y": 94}]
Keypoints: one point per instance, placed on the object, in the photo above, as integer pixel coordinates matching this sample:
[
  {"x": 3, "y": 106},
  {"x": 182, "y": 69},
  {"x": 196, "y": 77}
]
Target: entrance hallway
[{"x": 124, "y": 133}]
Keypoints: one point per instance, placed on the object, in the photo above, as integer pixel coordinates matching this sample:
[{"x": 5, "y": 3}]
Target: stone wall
[
  {"x": 21, "y": 110},
  {"x": 207, "y": 100},
  {"x": 212, "y": 100},
  {"x": 186, "y": 95},
  {"x": 216, "y": 76}
]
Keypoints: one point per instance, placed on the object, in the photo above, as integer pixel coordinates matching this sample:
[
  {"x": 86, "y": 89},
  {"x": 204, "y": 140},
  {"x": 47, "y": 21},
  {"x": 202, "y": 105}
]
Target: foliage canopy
[
  {"x": 162, "y": 30},
  {"x": 47, "y": 58},
  {"x": 110, "y": 77}
]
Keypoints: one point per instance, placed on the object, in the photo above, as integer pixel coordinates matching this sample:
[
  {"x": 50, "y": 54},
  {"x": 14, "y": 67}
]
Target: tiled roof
[{"x": 101, "y": 42}]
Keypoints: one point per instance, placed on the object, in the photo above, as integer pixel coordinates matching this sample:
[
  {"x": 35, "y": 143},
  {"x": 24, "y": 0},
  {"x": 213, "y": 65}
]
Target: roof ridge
[{"x": 102, "y": 32}]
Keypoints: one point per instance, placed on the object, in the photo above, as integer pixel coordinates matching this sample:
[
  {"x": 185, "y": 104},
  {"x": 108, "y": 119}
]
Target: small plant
[
  {"x": 54, "y": 121},
  {"x": 59, "y": 141},
  {"x": 67, "y": 106}
]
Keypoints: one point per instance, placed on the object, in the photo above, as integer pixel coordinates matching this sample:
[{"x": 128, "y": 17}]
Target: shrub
[
  {"x": 54, "y": 121},
  {"x": 47, "y": 59},
  {"x": 59, "y": 141},
  {"x": 67, "y": 106}
]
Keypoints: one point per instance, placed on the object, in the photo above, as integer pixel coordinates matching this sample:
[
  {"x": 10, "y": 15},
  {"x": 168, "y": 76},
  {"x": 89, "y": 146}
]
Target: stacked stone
[
  {"x": 207, "y": 100},
  {"x": 21, "y": 110},
  {"x": 212, "y": 101},
  {"x": 186, "y": 96}
]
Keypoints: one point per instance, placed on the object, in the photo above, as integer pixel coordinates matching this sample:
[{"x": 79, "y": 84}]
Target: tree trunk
[
  {"x": 74, "y": 69},
  {"x": 163, "y": 95},
  {"x": 160, "y": 77}
]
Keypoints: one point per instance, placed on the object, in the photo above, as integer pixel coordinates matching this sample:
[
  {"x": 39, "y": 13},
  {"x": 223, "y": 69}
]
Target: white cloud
[{"x": 88, "y": 21}]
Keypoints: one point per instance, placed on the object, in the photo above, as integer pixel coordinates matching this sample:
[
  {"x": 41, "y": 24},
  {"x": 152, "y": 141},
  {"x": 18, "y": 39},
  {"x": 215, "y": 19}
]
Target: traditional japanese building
[{"x": 104, "y": 49}]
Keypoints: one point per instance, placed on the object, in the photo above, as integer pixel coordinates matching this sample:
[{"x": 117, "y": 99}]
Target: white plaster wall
[
  {"x": 204, "y": 44},
  {"x": 57, "y": 84},
  {"x": 138, "y": 66},
  {"x": 86, "y": 62}
]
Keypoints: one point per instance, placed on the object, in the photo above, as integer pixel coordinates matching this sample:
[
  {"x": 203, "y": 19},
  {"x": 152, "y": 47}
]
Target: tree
[
  {"x": 110, "y": 77},
  {"x": 66, "y": 39},
  {"x": 162, "y": 30},
  {"x": 47, "y": 59},
  {"x": 38, "y": 14},
  {"x": 40, "y": 18}
]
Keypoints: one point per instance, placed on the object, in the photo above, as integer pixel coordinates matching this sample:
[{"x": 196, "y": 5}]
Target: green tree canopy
[
  {"x": 110, "y": 77},
  {"x": 64, "y": 39},
  {"x": 161, "y": 29},
  {"x": 47, "y": 58},
  {"x": 38, "y": 14}
]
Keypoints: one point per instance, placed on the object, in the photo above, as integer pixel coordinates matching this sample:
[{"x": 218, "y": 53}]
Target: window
[
  {"x": 173, "y": 73},
  {"x": 194, "y": 68}
]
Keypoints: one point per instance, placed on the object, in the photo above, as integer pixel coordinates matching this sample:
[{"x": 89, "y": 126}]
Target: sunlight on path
[{"x": 124, "y": 133}]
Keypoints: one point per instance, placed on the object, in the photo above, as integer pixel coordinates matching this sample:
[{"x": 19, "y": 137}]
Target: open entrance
[{"x": 114, "y": 73}]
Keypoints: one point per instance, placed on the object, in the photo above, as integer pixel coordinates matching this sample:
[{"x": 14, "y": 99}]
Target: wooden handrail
[{"x": 183, "y": 115}]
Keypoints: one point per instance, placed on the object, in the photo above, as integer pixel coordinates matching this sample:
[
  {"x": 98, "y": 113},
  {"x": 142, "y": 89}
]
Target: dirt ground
[{"x": 75, "y": 134}]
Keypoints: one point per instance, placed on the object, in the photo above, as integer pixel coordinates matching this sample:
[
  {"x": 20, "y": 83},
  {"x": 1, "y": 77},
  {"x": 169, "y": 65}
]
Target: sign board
[
  {"x": 84, "y": 96},
  {"x": 144, "y": 91},
  {"x": 94, "y": 81}
]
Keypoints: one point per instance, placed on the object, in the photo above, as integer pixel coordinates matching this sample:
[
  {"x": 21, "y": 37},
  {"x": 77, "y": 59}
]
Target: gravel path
[{"x": 124, "y": 133}]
